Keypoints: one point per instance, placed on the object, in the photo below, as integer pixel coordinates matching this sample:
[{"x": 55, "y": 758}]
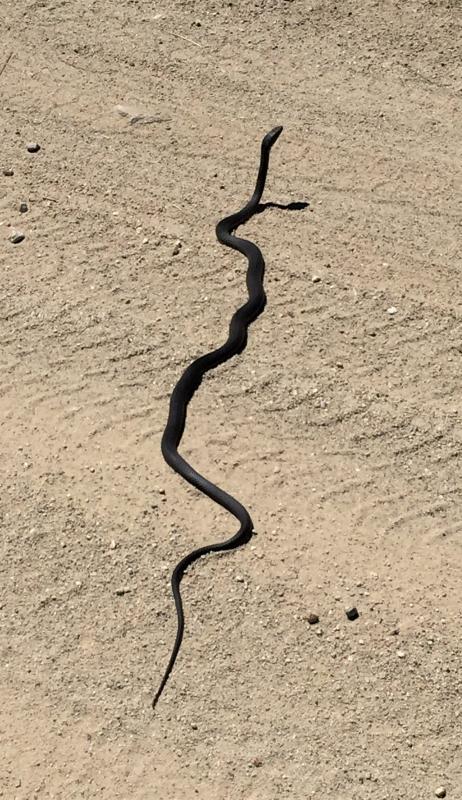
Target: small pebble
[
  {"x": 239, "y": 579},
  {"x": 401, "y": 654},
  {"x": 194, "y": 726},
  {"x": 113, "y": 544},
  {"x": 352, "y": 613},
  {"x": 440, "y": 791},
  {"x": 257, "y": 762},
  {"x": 33, "y": 147},
  {"x": 8, "y": 173},
  {"x": 316, "y": 279},
  {"x": 122, "y": 591},
  {"x": 176, "y": 248},
  {"x": 313, "y": 619},
  {"x": 23, "y": 208},
  {"x": 392, "y": 310},
  {"x": 17, "y": 238}
]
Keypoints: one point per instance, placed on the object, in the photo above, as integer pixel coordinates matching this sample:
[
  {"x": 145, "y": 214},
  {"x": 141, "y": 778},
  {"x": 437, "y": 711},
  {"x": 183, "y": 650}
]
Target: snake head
[{"x": 272, "y": 136}]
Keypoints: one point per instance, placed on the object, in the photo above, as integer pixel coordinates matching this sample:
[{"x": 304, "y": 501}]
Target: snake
[{"x": 191, "y": 379}]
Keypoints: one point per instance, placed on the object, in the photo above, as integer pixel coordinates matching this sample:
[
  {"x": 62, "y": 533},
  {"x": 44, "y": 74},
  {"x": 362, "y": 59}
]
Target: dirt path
[{"x": 339, "y": 427}]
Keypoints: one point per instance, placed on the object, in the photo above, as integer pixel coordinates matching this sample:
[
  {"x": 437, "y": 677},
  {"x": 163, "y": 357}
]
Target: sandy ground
[{"x": 339, "y": 427}]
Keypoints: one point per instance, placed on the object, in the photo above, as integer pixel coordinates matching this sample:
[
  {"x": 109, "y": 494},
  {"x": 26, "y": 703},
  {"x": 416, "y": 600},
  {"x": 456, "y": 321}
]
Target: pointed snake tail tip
[{"x": 157, "y": 695}]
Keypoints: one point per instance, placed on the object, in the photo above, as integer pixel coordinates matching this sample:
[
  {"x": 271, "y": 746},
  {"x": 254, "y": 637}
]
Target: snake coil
[{"x": 191, "y": 380}]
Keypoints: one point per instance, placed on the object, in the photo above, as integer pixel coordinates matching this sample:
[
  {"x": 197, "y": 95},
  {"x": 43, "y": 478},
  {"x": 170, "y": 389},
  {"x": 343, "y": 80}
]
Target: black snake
[{"x": 191, "y": 380}]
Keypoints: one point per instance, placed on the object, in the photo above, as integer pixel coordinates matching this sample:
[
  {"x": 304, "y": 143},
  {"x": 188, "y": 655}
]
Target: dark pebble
[
  {"x": 313, "y": 619},
  {"x": 17, "y": 238},
  {"x": 352, "y": 613},
  {"x": 8, "y": 173},
  {"x": 33, "y": 147},
  {"x": 121, "y": 592},
  {"x": 23, "y": 208}
]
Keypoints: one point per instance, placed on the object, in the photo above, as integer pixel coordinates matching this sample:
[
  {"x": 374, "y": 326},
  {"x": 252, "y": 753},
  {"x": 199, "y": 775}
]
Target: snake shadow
[{"x": 298, "y": 205}]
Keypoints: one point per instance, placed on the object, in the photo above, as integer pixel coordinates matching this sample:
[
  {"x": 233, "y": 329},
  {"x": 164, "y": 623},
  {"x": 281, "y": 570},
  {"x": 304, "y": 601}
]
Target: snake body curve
[{"x": 191, "y": 380}]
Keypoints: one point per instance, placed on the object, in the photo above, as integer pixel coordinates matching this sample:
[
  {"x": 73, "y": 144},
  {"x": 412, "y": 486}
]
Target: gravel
[{"x": 352, "y": 613}]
